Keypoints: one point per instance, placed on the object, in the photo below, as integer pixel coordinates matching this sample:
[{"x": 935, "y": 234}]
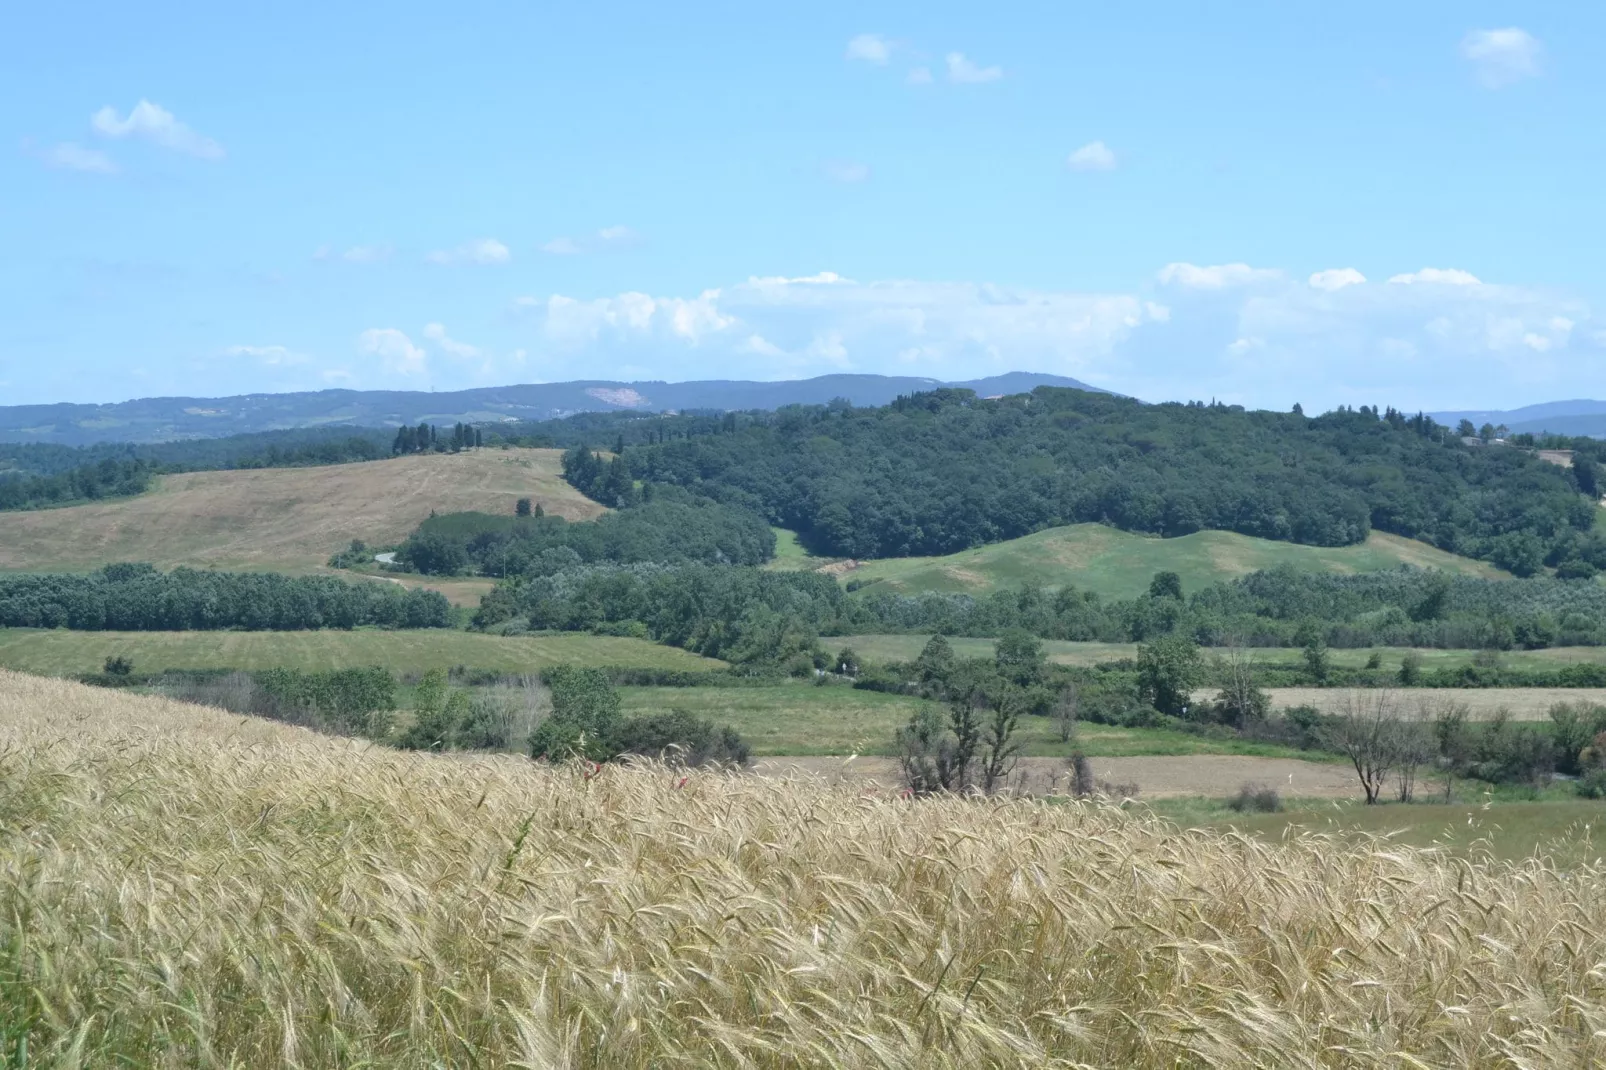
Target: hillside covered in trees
[
  {"x": 672, "y": 527},
  {"x": 939, "y": 472},
  {"x": 747, "y": 614}
]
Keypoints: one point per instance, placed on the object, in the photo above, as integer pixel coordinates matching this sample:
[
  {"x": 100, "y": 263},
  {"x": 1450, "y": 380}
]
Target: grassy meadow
[
  {"x": 282, "y": 519},
  {"x": 62, "y": 653},
  {"x": 885, "y": 648},
  {"x": 183, "y": 888},
  {"x": 797, "y": 719},
  {"x": 1119, "y": 564}
]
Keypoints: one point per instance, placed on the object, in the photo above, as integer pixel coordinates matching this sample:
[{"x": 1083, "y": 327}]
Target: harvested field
[
  {"x": 61, "y": 652},
  {"x": 287, "y": 519},
  {"x": 1215, "y": 775},
  {"x": 1522, "y": 703},
  {"x": 180, "y": 887}
]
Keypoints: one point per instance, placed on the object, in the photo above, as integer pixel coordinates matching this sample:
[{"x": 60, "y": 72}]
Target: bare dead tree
[
  {"x": 1414, "y": 747},
  {"x": 1365, "y": 732},
  {"x": 999, "y": 746},
  {"x": 1240, "y": 695},
  {"x": 1082, "y": 783},
  {"x": 1066, "y": 710}
]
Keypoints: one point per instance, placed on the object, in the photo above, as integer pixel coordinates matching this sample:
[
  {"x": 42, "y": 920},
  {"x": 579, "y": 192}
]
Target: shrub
[
  {"x": 1592, "y": 785},
  {"x": 118, "y": 665},
  {"x": 1255, "y": 798},
  {"x": 681, "y": 737}
]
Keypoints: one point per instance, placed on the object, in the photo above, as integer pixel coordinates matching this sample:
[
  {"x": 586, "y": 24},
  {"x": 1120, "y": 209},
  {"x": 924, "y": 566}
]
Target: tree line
[
  {"x": 671, "y": 528},
  {"x": 139, "y": 597},
  {"x": 940, "y": 472},
  {"x": 753, "y": 615},
  {"x": 427, "y": 438}
]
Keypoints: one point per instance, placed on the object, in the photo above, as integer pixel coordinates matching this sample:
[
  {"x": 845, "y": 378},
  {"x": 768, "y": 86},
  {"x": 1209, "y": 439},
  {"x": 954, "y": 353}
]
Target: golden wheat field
[{"x": 179, "y": 887}]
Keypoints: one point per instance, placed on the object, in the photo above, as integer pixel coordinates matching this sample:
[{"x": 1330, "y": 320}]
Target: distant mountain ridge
[
  {"x": 167, "y": 419},
  {"x": 1580, "y": 416}
]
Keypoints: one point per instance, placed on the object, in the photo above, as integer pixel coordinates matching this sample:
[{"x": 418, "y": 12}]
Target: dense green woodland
[
  {"x": 132, "y": 597},
  {"x": 672, "y": 528},
  {"x": 940, "y": 472},
  {"x": 751, "y": 615}
]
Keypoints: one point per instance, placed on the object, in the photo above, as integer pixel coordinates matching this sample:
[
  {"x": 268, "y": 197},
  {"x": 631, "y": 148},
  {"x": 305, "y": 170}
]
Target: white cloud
[
  {"x": 965, "y": 72},
  {"x": 273, "y": 356},
  {"x": 919, "y": 76},
  {"x": 847, "y": 172},
  {"x": 478, "y": 251},
  {"x": 396, "y": 352},
  {"x": 608, "y": 238},
  {"x": 1336, "y": 279},
  {"x": 1437, "y": 276},
  {"x": 1502, "y": 57},
  {"x": 153, "y": 123},
  {"x": 1250, "y": 335},
  {"x": 807, "y": 324},
  {"x": 870, "y": 48},
  {"x": 436, "y": 333},
  {"x": 1215, "y": 277},
  {"x": 68, "y": 156},
  {"x": 1094, "y": 156},
  {"x": 357, "y": 254}
]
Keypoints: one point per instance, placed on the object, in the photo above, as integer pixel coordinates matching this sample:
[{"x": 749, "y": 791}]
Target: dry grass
[
  {"x": 181, "y": 888},
  {"x": 283, "y": 518}
]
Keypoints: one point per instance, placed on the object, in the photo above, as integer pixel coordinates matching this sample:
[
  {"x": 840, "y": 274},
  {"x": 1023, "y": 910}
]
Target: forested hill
[{"x": 938, "y": 472}]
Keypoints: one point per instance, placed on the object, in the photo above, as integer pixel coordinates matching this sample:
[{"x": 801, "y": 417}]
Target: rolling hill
[
  {"x": 1580, "y": 416},
  {"x": 163, "y": 419},
  {"x": 1120, "y": 564},
  {"x": 286, "y": 519}
]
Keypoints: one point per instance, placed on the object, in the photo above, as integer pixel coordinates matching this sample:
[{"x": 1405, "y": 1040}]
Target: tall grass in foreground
[{"x": 179, "y": 887}]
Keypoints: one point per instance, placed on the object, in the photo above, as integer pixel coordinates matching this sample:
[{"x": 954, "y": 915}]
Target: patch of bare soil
[
  {"x": 838, "y": 568},
  {"x": 1216, "y": 775}
]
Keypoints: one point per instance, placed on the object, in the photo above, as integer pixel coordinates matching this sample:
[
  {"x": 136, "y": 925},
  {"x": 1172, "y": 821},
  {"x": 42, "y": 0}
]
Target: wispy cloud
[
  {"x": 870, "y": 48},
  {"x": 436, "y": 333},
  {"x": 1214, "y": 277},
  {"x": 846, "y": 171},
  {"x": 273, "y": 356},
  {"x": 1502, "y": 57},
  {"x": 356, "y": 254},
  {"x": 1438, "y": 277},
  {"x": 1334, "y": 279},
  {"x": 478, "y": 251},
  {"x": 963, "y": 71},
  {"x": 919, "y": 76},
  {"x": 1094, "y": 156},
  {"x": 604, "y": 240},
  {"x": 155, "y": 124},
  {"x": 394, "y": 350},
  {"x": 69, "y": 156}
]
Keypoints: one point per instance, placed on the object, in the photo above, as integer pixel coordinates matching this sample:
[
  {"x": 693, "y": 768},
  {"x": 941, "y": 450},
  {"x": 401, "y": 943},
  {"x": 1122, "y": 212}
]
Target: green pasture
[
  {"x": 885, "y": 648},
  {"x": 1120, "y": 564},
  {"x": 799, "y": 719}
]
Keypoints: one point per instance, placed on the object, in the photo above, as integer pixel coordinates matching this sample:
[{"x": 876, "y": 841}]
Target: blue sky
[{"x": 1169, "y": 200}]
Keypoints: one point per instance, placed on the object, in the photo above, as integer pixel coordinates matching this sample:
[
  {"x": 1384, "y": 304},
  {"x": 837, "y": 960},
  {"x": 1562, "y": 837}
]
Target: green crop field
[
  {"x": 1119, "y": 564},
  {"x": 885, "y": 648},
  {"x": 802, "y": 719},
  {"x": 60, "y": 652},
  {"x": 1564, "y": 829}
]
